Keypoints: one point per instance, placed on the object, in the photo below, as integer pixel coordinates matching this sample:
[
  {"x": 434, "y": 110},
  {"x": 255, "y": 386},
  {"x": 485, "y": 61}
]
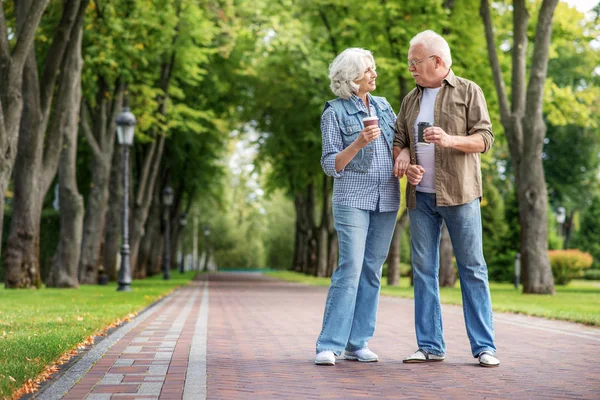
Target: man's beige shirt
[{"x": 460, "y": 109}]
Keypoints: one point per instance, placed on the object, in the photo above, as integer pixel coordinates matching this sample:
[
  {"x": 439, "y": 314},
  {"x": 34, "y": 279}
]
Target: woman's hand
[
  {"x": 367, "y": 135},
  {"x": 402, "y": 162},
  {"x": 414, "y": 174}
]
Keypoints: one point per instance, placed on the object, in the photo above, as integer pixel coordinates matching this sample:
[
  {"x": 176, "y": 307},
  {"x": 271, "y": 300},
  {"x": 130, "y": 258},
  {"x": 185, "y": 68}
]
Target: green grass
[
  {"x": 579, "y": 301},
  {"x": 38, "y": 326}
]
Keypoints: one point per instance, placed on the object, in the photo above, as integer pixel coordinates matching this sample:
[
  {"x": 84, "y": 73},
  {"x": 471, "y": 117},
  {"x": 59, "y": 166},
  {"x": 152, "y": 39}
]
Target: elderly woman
[{"x": 366, "y": 199}]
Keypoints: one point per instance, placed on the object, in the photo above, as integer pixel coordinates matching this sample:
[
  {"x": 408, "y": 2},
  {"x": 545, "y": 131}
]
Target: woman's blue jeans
[
  {"x": 351, "y": 308},
  {"x": 464, "y": 226}
]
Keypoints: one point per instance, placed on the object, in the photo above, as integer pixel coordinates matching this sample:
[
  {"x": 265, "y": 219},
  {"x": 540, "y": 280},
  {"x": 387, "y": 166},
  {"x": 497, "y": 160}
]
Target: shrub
[
  {"x": 568, "y": 264},
  {"x": 501, "y": 268},
  {"x": 589, "y": 234},
  {"x": 592, "y": 274}
]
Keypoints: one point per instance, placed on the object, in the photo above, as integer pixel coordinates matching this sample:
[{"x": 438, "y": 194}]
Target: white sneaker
[
  {"x": 325, "y": 358},
  {"x": 487, "y": 359},
  {"x": 363, "y": 355},
  {"x": 421, "y": 356}
]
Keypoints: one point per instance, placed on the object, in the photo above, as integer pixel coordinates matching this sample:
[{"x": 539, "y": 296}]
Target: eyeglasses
[{"x": 413, "y": 63}]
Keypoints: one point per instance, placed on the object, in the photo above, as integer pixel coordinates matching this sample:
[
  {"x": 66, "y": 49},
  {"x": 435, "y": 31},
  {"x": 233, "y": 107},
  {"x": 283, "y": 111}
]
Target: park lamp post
[
  {"x": 167, "y": 198},
  {"x": 206, "y": 235},
  {"x": 125, "y": 132},
  {"x": 561, "y": 215},
  {"x": 182, "y": 224}
]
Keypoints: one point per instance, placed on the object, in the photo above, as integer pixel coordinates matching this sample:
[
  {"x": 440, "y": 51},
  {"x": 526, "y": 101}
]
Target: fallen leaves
[{"x": 32, "y": 385}]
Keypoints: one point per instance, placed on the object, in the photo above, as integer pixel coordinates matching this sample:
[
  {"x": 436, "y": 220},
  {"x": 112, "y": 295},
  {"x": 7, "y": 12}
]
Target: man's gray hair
[
  {"x": 434, "y": 44},
  {"x": 347, "y": 67}
]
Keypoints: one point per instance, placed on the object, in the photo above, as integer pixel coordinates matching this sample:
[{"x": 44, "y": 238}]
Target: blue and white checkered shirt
[{"x": 365, "y": 191}]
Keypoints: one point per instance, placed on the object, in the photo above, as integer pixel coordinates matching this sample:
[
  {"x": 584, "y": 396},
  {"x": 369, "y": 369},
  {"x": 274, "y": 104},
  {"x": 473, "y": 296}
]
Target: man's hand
[
  {"x": 367, "y": 135},
  {"x": 438, "y": 136},
  {"x": 414, "y": 174},
  {"x": 402, "y": 162}
]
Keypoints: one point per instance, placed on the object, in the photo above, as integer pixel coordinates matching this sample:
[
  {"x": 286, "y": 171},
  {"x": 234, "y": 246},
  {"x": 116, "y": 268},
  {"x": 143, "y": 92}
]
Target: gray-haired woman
[{"x": 366, "y": 199}]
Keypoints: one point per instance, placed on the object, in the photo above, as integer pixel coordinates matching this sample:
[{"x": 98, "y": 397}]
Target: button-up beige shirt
[{"x": 460, "y": 109}]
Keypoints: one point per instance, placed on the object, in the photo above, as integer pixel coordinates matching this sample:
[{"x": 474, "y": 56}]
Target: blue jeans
[
  {"x": 464, "y": 226},
  {"x": 351, "y": 308}
]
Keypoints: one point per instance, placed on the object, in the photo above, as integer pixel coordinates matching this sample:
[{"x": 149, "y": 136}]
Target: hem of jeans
[
  {"x": 337, "y": 353},
  {"x": 355, "y": 349},
  {"x": 443, "y": 354},
  {"x": 485, "y": 349}
]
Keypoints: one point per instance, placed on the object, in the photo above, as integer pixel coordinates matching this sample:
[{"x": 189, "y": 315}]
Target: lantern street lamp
[
  {"x": 125, "y": 132},
  {"x": 167, "y": 198},
  {"x": 206, "y": 235},
  {"x": 182, "y": 224},
  {"x": 561, "y": 215}
]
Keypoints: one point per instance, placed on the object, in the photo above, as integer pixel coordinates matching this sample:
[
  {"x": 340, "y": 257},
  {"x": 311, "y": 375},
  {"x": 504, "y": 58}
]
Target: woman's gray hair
[
  {"x": 434, "y": 44},
  {"x": 347, "y": 67}
]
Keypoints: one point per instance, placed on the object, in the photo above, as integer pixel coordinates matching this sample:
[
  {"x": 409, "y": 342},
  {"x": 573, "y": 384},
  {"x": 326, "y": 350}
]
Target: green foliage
[
  {"x": 501, "y": 268},
  {"x": 279, "y": 235},
  {"x": 568, "y": 264},
  {"x": 493, "y": 222},
  {"x": 592, "y": 274},
  {"x": 571, "y": 164},
  {"x": 38, "y": 326},
  {"x": 588, "y": 238}
]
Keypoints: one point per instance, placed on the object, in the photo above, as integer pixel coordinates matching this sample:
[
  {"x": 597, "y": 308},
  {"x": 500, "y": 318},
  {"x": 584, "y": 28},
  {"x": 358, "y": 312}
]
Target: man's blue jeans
[
  {"x": 351, "y": 308},
  {"x": 464, "y": 226}
]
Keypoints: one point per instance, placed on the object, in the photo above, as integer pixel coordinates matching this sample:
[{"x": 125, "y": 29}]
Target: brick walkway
[{"x": 244, "y": 336}]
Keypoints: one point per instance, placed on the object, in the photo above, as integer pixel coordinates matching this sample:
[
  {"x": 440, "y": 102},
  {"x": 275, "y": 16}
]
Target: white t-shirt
[{"x": 426, "y": 153}]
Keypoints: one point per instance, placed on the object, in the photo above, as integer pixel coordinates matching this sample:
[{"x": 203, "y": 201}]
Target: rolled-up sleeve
[
  {"x": 331, "y": 143},
  {"x": 478, "y": 120},
  {"x": 400, "y": 138}
]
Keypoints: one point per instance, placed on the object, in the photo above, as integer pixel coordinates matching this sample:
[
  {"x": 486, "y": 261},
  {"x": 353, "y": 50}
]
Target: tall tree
[
  {"x": 525, "y": 130},
  {"x": 12, "y": 63},
  {"x": 38, "y": 148},
  {"x": 63, "y": 272}
]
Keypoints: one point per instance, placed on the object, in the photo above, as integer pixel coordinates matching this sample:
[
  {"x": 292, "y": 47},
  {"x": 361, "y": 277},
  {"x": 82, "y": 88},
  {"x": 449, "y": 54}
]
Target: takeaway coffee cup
[
  {"x": 368, "y": 121},
  {"x": 420, "y": 128}
]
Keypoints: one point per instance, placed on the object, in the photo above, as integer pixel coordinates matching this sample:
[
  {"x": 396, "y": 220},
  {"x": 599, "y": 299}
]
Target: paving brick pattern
[
  {"x": 150, "y": 361},
  {"x": 262, "y": 335},
  {"x": 260, "y": 345}
]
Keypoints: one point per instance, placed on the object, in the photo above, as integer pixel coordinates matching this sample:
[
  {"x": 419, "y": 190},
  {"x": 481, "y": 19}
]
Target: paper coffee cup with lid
[{"x": 372, "y": 120}]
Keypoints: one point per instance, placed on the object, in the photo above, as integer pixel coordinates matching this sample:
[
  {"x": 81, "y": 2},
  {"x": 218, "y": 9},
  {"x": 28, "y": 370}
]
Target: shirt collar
[{"x": 355, "y": 104}]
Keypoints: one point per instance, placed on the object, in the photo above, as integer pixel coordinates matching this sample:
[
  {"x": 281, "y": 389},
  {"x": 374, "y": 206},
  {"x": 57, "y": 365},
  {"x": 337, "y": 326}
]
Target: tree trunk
[
  {"x": 114, "y": 216},
  {"x": 525, "y": 130},
  {"x": 566, "y": 228},
  {"x": 66, "y": 260},
  {"x": 144, "y": 201},
  {"x": 12, "y": 64},
  {"x": 148, "y": 258},
  {"x": 447, "y": 274},
  {"x": 101, "y": 139},
  {"x": 156, "y": 255},
  {"x": 533, "y": 215},
  {"x": 39, "y": 152},
  {"x": 152, "y": 159},
  {"x": 324, "y": 229},
  {"x": 332, "y": 263},
  {"x": 393, "y": 260},
  {"x": 312, "y": 254},
  {"x": 93, "y": 231},
  {"x": 22, "y": 248},
  {"x": 300, "y": 242}
]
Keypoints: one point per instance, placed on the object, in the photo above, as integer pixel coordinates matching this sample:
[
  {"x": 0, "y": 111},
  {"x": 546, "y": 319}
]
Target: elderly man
[{"x": 442, "y": 166}]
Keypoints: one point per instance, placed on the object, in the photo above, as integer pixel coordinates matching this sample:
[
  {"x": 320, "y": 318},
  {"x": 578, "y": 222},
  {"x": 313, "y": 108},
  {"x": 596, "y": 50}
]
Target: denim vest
[{"x": 350, "y": 120}]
